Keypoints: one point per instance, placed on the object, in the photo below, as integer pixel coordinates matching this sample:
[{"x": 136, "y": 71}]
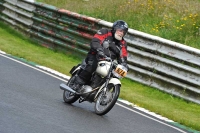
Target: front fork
[
  {"x": 114, "y": 81},
  {"x": 105, "y": 87}
]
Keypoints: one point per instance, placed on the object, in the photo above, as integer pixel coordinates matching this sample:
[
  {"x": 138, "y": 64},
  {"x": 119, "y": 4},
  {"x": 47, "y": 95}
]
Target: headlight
[{"x": 116, "y": 74}]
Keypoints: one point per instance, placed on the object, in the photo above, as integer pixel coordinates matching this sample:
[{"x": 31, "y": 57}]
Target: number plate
[{"x": 121, "y": 70}]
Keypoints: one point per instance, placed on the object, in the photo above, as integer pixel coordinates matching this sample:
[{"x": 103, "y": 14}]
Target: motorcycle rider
[{"x": 117, "y": 47}]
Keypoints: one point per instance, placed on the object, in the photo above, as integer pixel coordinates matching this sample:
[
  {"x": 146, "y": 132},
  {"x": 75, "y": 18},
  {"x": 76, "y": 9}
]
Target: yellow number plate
[{"x": 121, "y": 71}]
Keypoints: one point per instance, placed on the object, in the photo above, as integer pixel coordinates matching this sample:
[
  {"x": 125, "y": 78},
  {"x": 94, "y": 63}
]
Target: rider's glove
[{"x": 101, "y": 54}]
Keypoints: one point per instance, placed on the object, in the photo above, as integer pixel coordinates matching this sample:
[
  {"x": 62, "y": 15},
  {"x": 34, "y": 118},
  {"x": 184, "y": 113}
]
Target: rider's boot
[{"x": 78, "y": 83}]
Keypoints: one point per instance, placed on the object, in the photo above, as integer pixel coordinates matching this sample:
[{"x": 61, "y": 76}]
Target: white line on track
[
  {"x": 151, "y": 118},
  {"x": 32, "y": 67}
]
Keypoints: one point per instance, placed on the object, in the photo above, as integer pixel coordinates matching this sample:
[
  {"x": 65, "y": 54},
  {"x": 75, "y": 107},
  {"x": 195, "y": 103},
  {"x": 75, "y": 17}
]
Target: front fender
[{"x": 115, "y": 81}]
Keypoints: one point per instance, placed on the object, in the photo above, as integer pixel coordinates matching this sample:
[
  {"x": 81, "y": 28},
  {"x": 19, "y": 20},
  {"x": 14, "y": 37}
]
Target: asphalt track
[{"x": 31, "y": 102}]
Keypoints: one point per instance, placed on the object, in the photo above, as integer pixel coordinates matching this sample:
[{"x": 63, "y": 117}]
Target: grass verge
[{"x": 183, "y": 112}]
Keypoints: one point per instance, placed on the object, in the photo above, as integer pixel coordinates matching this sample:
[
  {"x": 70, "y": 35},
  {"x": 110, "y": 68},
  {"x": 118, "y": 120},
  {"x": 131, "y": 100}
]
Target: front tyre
[
  {"x": 106, "y": 102},
  {"x": 69, "y": 97}
]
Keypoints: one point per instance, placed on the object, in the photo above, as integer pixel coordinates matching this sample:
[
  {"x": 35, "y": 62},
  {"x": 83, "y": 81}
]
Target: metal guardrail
[{"x": 168, "y": 66}]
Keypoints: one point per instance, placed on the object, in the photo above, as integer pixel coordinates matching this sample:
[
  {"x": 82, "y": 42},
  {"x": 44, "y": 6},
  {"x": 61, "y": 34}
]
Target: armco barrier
[{"x": 168, "y": 66}]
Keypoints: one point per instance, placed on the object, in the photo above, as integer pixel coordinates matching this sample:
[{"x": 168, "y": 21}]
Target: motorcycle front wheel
[
  {"x": 106, "y": 102},
  {"x": 69, "y": 97}
]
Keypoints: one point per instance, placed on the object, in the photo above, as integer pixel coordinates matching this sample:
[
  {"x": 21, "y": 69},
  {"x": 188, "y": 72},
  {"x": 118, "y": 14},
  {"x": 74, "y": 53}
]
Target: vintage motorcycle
[{"x": 103, "y": 87}]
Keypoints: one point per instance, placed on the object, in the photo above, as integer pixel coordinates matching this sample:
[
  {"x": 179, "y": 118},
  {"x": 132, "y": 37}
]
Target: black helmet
[{"x": 120, "y": 24}]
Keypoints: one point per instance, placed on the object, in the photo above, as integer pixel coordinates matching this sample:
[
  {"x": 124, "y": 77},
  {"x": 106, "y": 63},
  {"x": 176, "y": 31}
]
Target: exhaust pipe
[{"x": 66, "y": 88}]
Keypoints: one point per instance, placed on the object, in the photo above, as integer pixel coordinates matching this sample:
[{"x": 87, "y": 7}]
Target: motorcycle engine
[
  {"x": 96, "y": 80},
  {"x": 85, "y": 90}
]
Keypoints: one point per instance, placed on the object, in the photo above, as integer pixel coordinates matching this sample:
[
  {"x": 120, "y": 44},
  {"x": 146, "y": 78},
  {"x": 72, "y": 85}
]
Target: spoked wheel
[
  {"x": 69, "y": 97},
  {"x": 106, "y": 102}
]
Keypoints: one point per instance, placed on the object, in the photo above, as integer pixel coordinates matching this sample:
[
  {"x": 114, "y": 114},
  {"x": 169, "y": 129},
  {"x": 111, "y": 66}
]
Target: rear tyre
[
  {"x": 105, "y": 103},
  {"x": 69, "y": 97}
]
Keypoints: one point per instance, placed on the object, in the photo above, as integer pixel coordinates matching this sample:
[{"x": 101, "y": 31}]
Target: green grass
[
  {"x": 21, "y": 46},
  {"x": 183, "y": 112},
  {"x": 177, "y": 20}
]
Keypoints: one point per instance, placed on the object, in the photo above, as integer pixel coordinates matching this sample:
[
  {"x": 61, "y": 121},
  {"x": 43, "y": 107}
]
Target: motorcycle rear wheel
[
  {"x": 69, "y": 97},
  {"x": 105, "y": 103}
]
